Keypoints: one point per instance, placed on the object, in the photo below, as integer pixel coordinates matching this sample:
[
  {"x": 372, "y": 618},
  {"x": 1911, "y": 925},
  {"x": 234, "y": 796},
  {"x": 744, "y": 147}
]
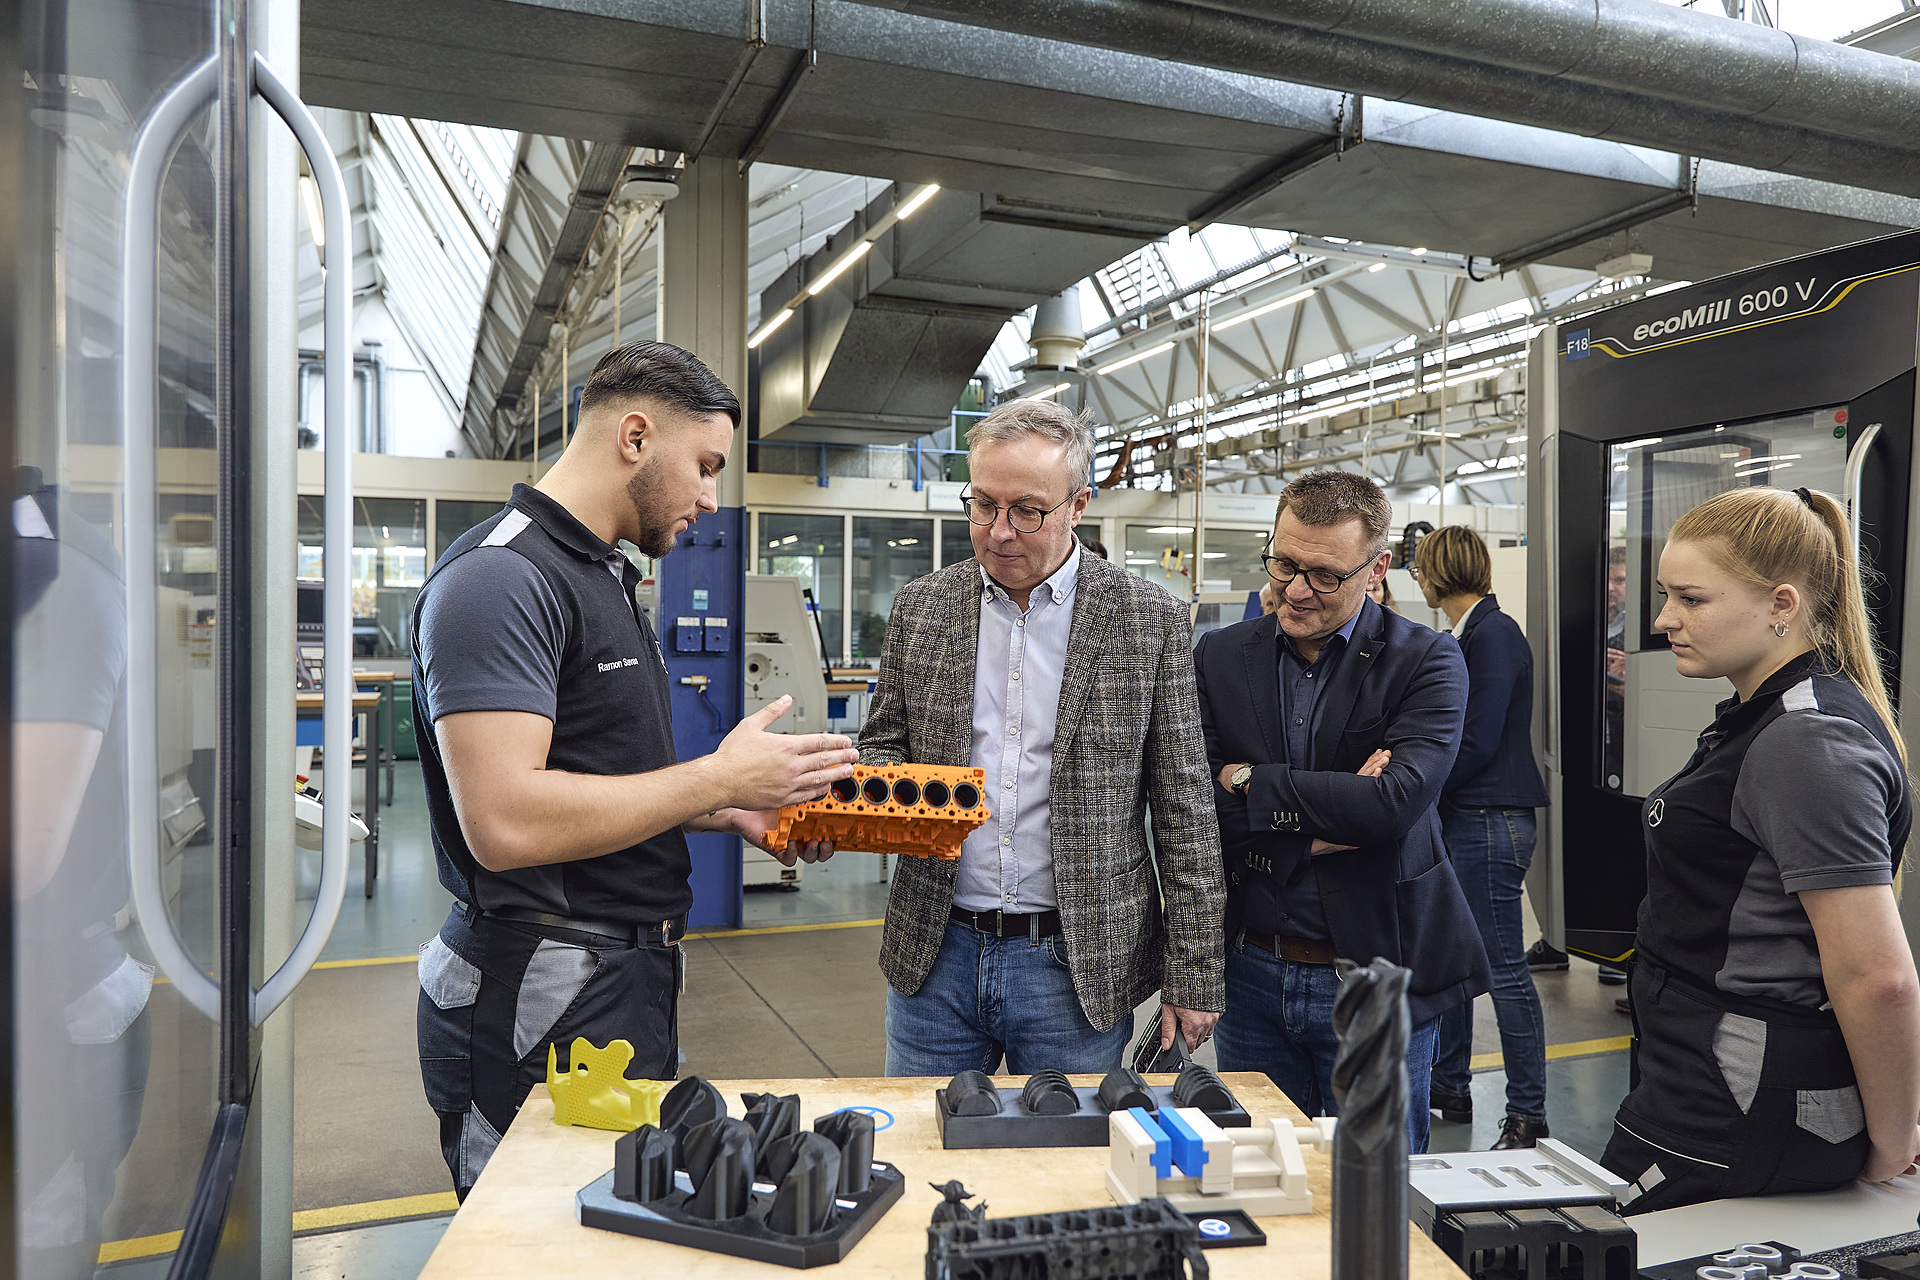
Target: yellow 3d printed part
[
  {"x": 923, "y": 810},
  {"x": 596, "y": 1092}
]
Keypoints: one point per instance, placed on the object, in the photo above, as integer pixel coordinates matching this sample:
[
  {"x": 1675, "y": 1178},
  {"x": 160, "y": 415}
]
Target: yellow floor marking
[
  {"x": 1571, "y": 1049},
  {"x": 345, "y": 1215}
]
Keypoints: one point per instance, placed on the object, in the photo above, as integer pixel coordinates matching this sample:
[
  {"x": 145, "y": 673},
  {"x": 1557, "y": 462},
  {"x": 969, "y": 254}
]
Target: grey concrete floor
[{"x": 798, "y": 1002}]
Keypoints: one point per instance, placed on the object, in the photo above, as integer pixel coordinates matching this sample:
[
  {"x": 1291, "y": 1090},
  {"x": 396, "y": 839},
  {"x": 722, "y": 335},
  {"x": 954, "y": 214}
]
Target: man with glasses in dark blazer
[
  {"x": 1070, "y": 682},
  {"x": 1331, "y": 725}
]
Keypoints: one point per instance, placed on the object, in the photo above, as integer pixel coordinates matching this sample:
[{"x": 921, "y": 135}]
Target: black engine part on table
[
  {"x": 972, "y": 1093},
  {"x": 1198, "y": 1086},
  {"x": 1568, "y": 1242},
  {"x": 1150, "y": 1240},
  {"x": 794, "y": 1201},
  {"x": 1015, "y": 1122},
  {"x": 1048, "y": 1094},
  {"x": 1124, "y": 1087}
]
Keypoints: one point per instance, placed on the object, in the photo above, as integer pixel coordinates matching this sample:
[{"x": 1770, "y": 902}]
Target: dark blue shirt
[{"x": 1294, "y": 909}]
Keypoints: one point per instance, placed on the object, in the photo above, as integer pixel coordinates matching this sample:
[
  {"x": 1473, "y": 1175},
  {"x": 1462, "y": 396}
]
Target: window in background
[
  {"x": 812, "y": 549},
  {"x": 1161, "y": 554},
  {"x": 453, "y": 517},
  {"x": 956, "y": 542},
  {"x": 389, "y": 567},
  {"x": 887, "y": 554},
  {"x": 1233, "y": 560}
]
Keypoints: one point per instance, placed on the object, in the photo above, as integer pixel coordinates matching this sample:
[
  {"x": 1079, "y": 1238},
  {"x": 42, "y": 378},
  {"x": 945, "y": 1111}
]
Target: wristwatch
[{"x": 1240, "y": 779}]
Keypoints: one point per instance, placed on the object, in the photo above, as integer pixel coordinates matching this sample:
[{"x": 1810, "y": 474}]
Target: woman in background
[
  {"x": 1487, "y": 819},
  {"x": 1776, "y": 1011},
  {"x": 1381, "y": 594}
]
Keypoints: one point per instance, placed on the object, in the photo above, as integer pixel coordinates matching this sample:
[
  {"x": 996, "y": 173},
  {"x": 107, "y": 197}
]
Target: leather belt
[
  {"x": 612, "y": 932},
  {"x": 1287, "y": 947},
  {"x": 999, "y": 924}
]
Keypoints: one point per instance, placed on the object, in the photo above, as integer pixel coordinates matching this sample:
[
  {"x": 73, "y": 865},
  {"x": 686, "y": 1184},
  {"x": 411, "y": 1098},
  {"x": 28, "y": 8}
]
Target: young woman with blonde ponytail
[{"x": 1776, "y": 1009}]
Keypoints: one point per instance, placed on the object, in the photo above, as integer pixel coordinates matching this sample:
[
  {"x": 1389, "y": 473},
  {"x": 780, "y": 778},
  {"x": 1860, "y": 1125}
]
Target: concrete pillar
[
  {"x": 703, "y": 287},
  {"x": 703, "y": 308}
]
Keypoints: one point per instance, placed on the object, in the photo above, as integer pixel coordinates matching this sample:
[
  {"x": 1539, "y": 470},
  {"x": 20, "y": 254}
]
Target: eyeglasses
[
  {"x": 1024, "y": 518},
  {"x": 1319, "y": 581}
]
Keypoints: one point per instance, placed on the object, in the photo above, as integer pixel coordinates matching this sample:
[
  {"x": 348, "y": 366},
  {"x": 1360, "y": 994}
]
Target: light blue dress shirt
[{"x": 1007, "y": 863}]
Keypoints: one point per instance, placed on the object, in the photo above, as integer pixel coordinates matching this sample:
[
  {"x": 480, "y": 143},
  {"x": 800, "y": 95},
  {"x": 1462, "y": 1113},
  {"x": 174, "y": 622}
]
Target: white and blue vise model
[{"x": 1180, "y": 1155}]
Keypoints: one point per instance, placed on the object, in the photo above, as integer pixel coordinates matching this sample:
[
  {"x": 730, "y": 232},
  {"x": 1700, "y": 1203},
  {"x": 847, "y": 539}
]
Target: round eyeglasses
[{"x": 1024, "y": 517}]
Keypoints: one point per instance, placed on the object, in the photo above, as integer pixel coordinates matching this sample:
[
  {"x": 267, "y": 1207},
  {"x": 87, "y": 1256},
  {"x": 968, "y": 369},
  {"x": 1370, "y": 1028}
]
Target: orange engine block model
[{"x": 925, "y": 810}]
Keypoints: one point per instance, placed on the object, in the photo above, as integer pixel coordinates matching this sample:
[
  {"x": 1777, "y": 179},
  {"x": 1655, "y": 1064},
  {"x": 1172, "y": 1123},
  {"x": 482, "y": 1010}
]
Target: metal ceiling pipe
[
  {"x": 1641, "y": 47},
  {"x": 1677, "y": 101}
]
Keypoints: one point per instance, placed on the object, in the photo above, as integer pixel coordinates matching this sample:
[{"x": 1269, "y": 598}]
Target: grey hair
[{"x": 1056, "y": 422}]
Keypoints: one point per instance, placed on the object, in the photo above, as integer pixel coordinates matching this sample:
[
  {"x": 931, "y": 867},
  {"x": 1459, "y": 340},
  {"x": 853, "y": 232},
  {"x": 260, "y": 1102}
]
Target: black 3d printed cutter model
[
  {"x": 973, "y": 1114},
  {"x": 758, "y": 1187}
]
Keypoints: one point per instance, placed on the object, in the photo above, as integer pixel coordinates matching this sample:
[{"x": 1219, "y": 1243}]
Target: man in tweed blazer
[{"x": 1070, "y": 682}]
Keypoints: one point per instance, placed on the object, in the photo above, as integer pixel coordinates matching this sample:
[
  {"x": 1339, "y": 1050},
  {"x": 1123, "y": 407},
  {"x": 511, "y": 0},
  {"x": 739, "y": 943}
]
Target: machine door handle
[
  {"x": 152, "y": 150},
  {"x": 336, "y": 711},
  {"x": 1856, "y": 468},
  {"x": 139, "y": 254}
]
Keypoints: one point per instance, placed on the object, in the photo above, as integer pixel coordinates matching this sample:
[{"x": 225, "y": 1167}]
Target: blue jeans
[
  {"x": 988, "y": 996},
  {"x": 1279, "y": 1020},
  {"x": 1491, "y": 849}
]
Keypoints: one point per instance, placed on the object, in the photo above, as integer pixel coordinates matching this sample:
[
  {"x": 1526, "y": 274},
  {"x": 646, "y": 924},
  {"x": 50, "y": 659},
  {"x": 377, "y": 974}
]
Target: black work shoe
[
  {"x": 1612, "y": 975},
  {"x": 1454, "y": 1107},
  {"x": 1623, "y": 1005},
  {"x": 1518, "y": 1131},
  {"x": 1545, "y": 958}
]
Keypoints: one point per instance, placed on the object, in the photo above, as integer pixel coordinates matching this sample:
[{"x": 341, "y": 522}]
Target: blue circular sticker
[
  {"x": 881, "y": 1119},
  {"x": 1215, "y": 1228}
]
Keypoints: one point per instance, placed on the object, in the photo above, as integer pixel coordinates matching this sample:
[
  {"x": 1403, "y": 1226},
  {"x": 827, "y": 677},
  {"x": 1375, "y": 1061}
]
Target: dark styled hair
[
  {"x": 1329, "y": 497},
  {"x": 662, "y": 371}
]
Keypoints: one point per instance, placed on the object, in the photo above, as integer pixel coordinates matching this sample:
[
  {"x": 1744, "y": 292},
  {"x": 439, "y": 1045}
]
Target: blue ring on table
[{"x": 875, "y": 1112}]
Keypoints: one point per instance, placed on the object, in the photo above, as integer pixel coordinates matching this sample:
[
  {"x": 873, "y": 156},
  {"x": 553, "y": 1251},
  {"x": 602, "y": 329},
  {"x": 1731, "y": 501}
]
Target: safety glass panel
[{"x": 1651, "y": 715}]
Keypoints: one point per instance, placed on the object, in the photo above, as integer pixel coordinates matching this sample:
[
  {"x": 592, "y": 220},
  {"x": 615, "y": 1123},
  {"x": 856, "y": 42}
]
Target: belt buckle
[{"x": 999, "y": 922}]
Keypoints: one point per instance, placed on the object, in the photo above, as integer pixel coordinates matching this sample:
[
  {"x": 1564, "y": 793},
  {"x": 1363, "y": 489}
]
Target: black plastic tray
[
  {"x": 748, "y": 1236},
  {"x": 1015, "y": 1126},
  {"x": 1242, "y": 1231}
]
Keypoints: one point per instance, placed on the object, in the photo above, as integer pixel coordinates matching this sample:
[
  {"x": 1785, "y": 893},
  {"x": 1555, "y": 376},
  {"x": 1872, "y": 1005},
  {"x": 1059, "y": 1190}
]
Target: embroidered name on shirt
[{"x": 617, "y": 663}]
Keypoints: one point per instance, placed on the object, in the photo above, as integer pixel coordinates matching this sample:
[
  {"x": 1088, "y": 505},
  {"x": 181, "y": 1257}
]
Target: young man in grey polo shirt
[{"x": 556, "y": 801}]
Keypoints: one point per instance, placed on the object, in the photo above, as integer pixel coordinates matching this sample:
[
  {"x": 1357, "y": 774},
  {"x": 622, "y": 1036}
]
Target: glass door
[
  {"x": 144, "y": 792},
  {"x": 119, "y": 1076}
]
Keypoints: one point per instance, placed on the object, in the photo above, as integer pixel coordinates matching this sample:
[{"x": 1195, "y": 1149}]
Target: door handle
[
  {"x": 139, "y": 256},
  {"x": 336, "y": 711},
  {"x": 139, "y": 239},
  {"x": 1856, "y": 468}
]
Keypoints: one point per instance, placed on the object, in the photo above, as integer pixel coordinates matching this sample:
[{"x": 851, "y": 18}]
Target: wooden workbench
[{"x": 520, "y": 1218}]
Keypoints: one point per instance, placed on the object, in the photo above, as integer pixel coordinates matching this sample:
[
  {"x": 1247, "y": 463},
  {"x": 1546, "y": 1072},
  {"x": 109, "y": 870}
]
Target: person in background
[
  {"x": 1382, "y": 594},
  {"x": 1096, "y": 546},
  {"x": 1269, "y": 597},
  {"x": 1330, "y": 727},
  {"x": 1487, "y": 818},
  {"x": 1776, "y": 1009},
  {"x": 1069, "y": 682}
]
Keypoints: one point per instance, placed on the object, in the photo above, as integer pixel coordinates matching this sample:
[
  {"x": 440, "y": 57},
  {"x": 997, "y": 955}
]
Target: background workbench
[{"x": 520, "y": 1219}]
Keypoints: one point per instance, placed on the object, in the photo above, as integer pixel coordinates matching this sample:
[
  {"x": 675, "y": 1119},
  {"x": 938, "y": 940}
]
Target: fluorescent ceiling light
[
  {"x": 1137, "y": 357},
  {"x": 1378, "y": 266},
  {"x": 1050, "y": 392},
  {"x": 919, "y": 198},
  {"x": 1420, "y": 252},
  {"x": 1213, "y": 555},
  {"x": 1169, "y": 528},
  {"x": 1516, "y": 439},
  {"x": 1257, "y": 312},
  {"x": 1640, "y": 444},
  {"x": 786, "y": 314},
  {"x": 839, "y": 268},
  {"x": 317, "y": 225}
]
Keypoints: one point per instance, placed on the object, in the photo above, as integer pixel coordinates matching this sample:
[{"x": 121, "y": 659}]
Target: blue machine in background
[{"x": 701, "y": 615}]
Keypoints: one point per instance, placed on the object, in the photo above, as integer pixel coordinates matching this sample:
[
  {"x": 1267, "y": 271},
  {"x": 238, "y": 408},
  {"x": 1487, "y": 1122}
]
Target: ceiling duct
[
  {"x": 1631, "y": 71},
  {"x": 883, "y": 352}
]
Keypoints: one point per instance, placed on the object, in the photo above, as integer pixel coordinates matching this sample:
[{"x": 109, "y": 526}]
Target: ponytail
[{"x": 1770, "y": 536}]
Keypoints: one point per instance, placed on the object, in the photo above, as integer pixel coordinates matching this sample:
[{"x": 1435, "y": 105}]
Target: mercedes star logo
[{"x": 1655, "y": 812}]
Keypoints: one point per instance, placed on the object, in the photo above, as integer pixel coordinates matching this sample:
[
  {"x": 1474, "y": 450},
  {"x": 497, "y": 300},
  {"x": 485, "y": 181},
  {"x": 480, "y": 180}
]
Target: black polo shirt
[{"x": 530, "y": 611}]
